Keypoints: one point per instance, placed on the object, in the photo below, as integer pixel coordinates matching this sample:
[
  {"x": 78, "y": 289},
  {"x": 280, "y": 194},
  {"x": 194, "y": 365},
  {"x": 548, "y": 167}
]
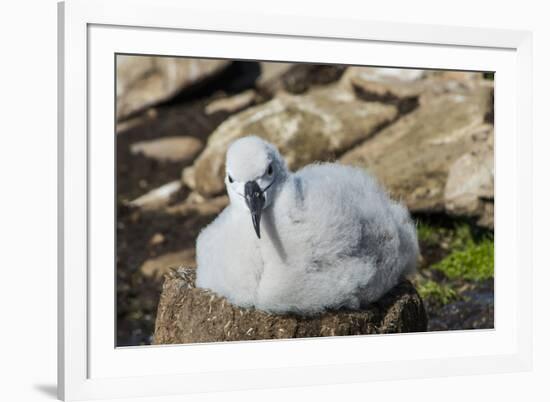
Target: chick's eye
[
  {"x": 270, "y": 170},
  {"x": 230, "y": 178}
]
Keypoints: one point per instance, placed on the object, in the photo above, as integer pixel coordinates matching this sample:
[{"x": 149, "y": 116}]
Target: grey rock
[
  {"x": 470, "y": 184},
  {"x": 271, "y": 74},
  {"x": 405, "y": 87},
  {"x": 196, "y": 204},
  {"x": 157, "y": 198},
  {"x": 188, "y": 177},
  {"x": 126, "y": 125},
  {"x": 171, "y": 149},
  {"x": 144, "y": 81},
  {"x": 187, "y": 315},
  {"x": 158, "y": 266},
  {"x": 295, "y": 78},
  {"x": 318, "y": 126},
  {"x": 412, "y": 157},
  {"x": 231, "y": 104},
  {"x": 385, "y": 83}
]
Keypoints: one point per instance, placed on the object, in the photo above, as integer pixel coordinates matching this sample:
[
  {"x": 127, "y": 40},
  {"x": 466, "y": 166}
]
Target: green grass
[
  {"x": 440, "y": 293},
  {"x": 474, "y": 262}
]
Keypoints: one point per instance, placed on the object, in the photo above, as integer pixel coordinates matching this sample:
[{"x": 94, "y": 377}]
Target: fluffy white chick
[{"x": 325, "y": 237}]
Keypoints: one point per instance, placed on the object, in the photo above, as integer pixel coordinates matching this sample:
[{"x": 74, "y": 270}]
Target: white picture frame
[{"x": 90, "y": 367}]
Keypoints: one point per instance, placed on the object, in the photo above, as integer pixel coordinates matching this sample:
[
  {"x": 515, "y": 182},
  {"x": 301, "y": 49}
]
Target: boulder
[
  {"x": 271, "y": 73},
  {"x": 156, "y": 239},
  {"x": 126, "y": 125},
  {"x": 385, "y": 83},
  {"x": 320, "y": 125},
  {"x": 469, "y": 190},
  {"x": 404, "y": 87},
  {"x": 412, "y": 157},
  {"x": 231, "y": 104},
  {"x": 188, "y": 177},
  {"x": 187, "y": 314},
  {"x": 295, "y": 78},
  {"x": 434, "y": 81},
  {"x": 157, "y": 198},
  {"x": 143, "y": 81},
  {"x": 158, "y": 266},
  {"x": 169, "y": 149},
  {"x": 388, "y": 75},
  {"x": 196, "y": 204}
]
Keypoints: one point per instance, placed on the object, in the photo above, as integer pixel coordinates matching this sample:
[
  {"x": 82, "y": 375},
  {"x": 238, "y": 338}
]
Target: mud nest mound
[{"x": 187, "y": 314}]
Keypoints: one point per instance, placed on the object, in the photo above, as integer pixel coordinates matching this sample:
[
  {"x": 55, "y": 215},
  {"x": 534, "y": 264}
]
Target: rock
[
  {"x": 144, "y": 81},
  {"x": 386, "y": 76},
  {"x": 182, "y": 118},
  {"x": 389, "y": 74},
  {"x": 196, "y": 204},
  {"x": 187, "y": 314},
  {"x": 157, "y": 267},
  {"x": 470, "y": 184},
  {"x": 318, "y": 126},
  {"x": 413, "y": 156},
  {"x": 138, "y": 120},
  {"x": 404, "y": 87},
  {"x": 269, "y": 80},
  {"x": 400, "y": 87},
  {"x": 169, "y": 149},
  {"x": 156, "y": 239},
  {"x": 474, "y": 310},
  {"x": 487, "y": 218},
  {"x": 188, "y": 177},
  {"x": 232, "y": 104},
  {"x": 456, "y": 75},
  {"x": 295, "y": 78},
  {"x": 158, "y": 197}
]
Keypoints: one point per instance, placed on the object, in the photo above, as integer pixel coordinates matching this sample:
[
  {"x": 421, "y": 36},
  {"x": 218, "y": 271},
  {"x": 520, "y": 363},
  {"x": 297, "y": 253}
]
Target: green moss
[
  {"x": 439, "y": 293},
  {"x": 474, "y": 261},
  {"x": 458, "y": 235},
  {"x": 427, "y": 233},
  {"x": 461, "y": 251},
  {"x": 462, "y": 237}
]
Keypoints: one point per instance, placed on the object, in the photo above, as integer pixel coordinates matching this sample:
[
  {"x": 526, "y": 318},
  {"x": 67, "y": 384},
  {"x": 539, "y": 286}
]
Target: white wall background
[{"x": 28, "y": 199}]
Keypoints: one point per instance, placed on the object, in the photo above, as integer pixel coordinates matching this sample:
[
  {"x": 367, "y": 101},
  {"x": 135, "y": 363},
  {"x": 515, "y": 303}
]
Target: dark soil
[
  {"x": 137, "y": 174},
  {"x": 137, "y": 296},
  {"x": 475, "y": 310}
]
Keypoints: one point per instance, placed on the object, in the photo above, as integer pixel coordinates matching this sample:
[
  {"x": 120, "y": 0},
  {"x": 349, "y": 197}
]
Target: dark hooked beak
[{"x": 255, "y": 201}]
